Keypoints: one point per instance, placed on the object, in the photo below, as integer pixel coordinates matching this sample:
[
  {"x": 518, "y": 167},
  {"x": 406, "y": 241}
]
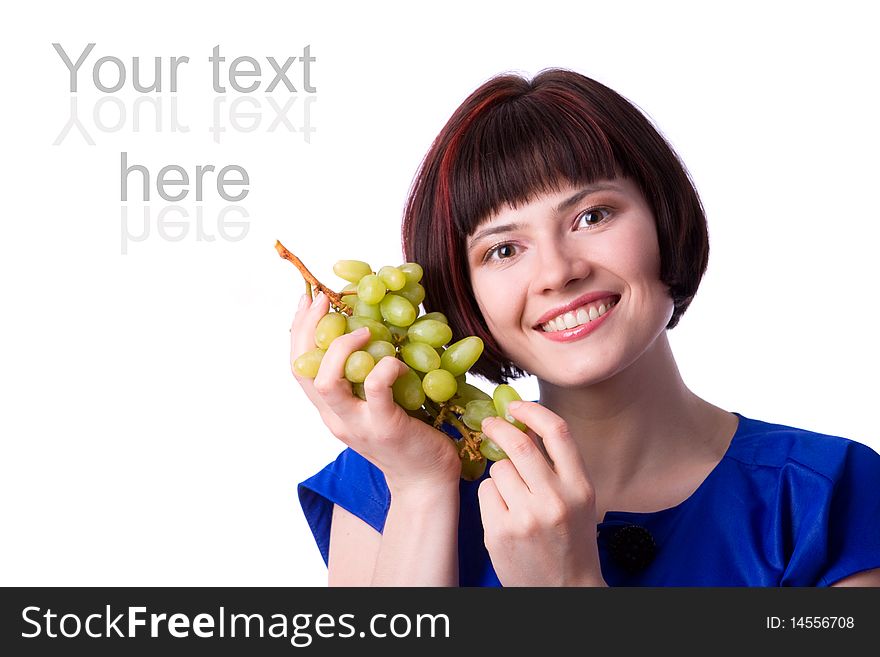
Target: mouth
[{"x": 580, "y": 315}]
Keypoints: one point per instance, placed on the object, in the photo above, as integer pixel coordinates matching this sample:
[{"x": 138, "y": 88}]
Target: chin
[{"x": 566, "y": 376}]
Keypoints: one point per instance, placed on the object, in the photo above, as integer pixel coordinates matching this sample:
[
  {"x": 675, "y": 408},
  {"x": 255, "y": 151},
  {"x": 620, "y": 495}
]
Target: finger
[
  {"x": 302, "y": 332},
  {"x": 555, "y": 435},
  {"x": 304, "y": 301},
  {"x": 331, "y": 383},
  {"x": 491, "y": 502},
  {"x": 302, "y": 339},
  {"x": 525, "y": 455},
  {"x": 377, "y": 386},
  {"x": 510, "y": 484}
]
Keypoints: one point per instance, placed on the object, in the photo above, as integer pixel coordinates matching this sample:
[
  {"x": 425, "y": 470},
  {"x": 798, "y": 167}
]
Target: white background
[{"x": 152, "y": 433}]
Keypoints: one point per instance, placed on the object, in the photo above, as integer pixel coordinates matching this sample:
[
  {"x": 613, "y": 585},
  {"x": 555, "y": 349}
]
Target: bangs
[{"x": 521, "y": 149}]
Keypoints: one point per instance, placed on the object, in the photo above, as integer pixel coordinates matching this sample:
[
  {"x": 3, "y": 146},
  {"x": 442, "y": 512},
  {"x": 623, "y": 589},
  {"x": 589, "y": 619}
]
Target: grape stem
[
  {"x": 440, "y": 415},
  {"x": 311, "y": 281},
  {"x": 469, "y": 444}
]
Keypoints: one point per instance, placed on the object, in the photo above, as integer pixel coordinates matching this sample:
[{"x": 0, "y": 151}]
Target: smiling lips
[{"x": 576, "y": 323}]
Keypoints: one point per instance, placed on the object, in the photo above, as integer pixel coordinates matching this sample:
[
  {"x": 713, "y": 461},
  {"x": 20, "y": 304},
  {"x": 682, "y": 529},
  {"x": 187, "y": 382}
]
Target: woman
[{"x": 553, "y": 221}]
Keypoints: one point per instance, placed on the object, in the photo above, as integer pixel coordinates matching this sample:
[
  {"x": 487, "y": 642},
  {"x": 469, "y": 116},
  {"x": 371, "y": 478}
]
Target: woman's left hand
[{"x": 539, "y": 516}]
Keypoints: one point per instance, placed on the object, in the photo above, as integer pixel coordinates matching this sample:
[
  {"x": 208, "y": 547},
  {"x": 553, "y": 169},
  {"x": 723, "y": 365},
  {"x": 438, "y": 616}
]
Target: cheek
[
  {"x": 640, "y": 253},
  {"x": 643, "y": 264},
  {"x": 493, "y": 311},
  {"x": 635, "y": 251},
  {"x": 500, "y": 307}
]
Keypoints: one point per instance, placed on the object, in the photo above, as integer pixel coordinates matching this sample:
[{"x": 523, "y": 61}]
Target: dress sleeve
[
  {"x": 854, "y": 521},
  {"x": 837, "y": 506},
  {"x": 353, "y": 483}
]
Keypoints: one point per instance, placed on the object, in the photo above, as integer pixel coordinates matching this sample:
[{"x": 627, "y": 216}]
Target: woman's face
[{"x": 569, "y": 284}]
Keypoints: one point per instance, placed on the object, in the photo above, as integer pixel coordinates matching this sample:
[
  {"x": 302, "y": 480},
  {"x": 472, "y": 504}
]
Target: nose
[{"x": 558, "y": 265}]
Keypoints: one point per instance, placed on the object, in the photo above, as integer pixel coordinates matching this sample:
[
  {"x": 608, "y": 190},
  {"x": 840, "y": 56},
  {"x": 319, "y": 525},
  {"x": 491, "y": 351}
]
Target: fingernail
[
  {"x": 303, "y": 301},
  {"x": 318, "y": 298},
  {"x": 363, "y": 330},
  {"x": 512, "y": 406}
]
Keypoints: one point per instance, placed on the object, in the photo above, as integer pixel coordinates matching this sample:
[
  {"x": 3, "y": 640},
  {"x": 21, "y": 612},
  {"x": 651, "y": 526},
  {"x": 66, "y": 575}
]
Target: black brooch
[{"x": 632, "y": 547}]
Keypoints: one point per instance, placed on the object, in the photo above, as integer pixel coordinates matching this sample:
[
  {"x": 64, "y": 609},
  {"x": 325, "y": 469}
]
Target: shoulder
[
  {"x": 768, "y": 445},
  {"x": 819, "y": 499},
  {"x": 351, "y": 483}
]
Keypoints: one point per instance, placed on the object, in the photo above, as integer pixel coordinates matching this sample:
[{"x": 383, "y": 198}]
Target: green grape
[
  {"x": 476, "y": 411},
  {"x": 501, "y": 397},
  {"x": 430, "y": 331},
  {"x": 490, "y": 450},
  {"x": 329, "y": 327},
  {"x": 420, "y": 356},
  {"x": 351, "y": 270},
  {"x": 351, "y": 288},
  {"x": 362, "y": 309},
  {"x": 378, "y": 331},
  {"x": 308, "y": 363},
  {"x": 407, "y": 391},
  {"x": 371, "y": 289},
  {"x": 471, "y": 469},
  {"x": 397, "y": 311},
  {"x": 358, "y": 365},
  {"x": 393, "y": 278},
  {"x": 462, "y": 355},
  {"x": 440, "y": 317},
  {"x": 379, "y": 349},
  {"x": 413, "y": 271},
  {"x": 350, "y": 300},
  {"x": 358, "y": 390},
  {"x": 412, "y": 292},
  {"x": 439, "y": 385},
  {"x": 468, "y": 393}
]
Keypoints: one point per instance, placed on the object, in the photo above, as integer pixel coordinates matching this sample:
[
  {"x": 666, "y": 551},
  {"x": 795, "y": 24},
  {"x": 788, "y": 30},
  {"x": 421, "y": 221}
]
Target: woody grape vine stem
[{"x": 311, "y": 281}]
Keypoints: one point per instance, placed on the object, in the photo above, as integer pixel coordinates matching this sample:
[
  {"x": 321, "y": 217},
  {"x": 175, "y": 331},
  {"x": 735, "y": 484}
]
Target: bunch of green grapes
[{"x": 434, "y": 387}]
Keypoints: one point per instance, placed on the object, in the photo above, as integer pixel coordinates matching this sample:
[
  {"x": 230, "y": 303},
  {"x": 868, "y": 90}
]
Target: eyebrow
[
  {"x": 562, "y": 207},
  {"x": 586, "y": 191}
]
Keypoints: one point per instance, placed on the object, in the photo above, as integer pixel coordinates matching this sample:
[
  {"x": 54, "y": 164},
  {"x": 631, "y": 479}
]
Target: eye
[
  {"x": 591, "y": 217},
  {"x": 502, "y": 251}
]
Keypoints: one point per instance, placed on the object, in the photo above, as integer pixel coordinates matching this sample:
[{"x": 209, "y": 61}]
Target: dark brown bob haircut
[{"x": 513, "y": 139}]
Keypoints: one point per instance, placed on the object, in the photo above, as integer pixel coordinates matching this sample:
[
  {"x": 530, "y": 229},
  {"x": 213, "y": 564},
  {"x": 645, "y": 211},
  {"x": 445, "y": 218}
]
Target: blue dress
[{"x": 783, "y": 507}]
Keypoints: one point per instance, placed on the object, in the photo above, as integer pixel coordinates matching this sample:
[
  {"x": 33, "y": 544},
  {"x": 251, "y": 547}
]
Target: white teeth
[{"x": 576, "y": 318}]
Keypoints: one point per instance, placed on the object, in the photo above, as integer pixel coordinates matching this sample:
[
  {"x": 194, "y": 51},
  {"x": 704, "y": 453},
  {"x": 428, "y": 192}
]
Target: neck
[{"x": 640, "y": 427}]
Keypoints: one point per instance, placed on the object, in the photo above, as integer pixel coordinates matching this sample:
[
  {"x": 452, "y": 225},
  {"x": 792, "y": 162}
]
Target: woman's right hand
[{"x": 410, "y": 453}]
